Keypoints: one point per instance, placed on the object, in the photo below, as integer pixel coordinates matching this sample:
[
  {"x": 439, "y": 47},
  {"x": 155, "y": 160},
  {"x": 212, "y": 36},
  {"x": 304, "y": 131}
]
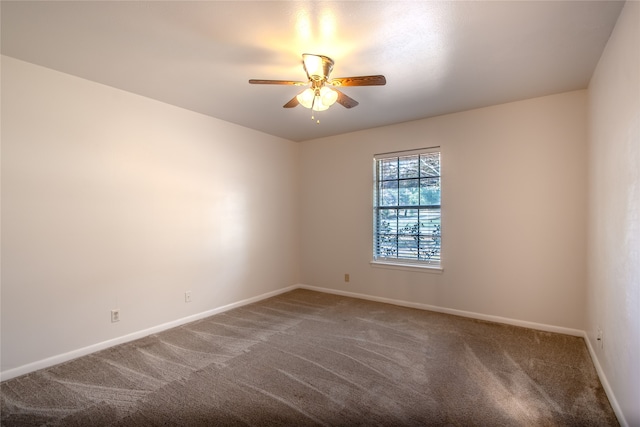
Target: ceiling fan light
[
  {"x": 328, "y": 96},
  {"x": 319, "y": 106},
  {"x": 310, "y": 98},
  {"x": 306, "y": 98}
]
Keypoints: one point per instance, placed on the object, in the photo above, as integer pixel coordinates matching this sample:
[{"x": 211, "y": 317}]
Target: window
[{"x": 406, "y": 212}]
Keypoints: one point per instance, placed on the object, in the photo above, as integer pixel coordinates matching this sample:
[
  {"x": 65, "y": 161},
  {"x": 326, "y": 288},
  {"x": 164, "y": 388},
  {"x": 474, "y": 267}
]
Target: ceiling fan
[{"x": 322, "y": 92}]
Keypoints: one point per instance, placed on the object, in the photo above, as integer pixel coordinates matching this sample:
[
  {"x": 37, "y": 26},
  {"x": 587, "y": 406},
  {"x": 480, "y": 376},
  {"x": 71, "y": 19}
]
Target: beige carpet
[{"x": 306, "y": 358}]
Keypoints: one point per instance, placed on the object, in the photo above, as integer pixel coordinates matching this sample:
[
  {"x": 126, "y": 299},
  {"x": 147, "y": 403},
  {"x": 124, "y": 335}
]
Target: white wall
[
  {"x": 112, "y": 200},
  {"x": 514, "y": 221},
  {"x": 614, "y": 212}
]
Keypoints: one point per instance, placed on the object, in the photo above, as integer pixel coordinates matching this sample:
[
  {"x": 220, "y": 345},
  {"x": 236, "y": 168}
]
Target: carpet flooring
[{"x": 306, "y": 358}]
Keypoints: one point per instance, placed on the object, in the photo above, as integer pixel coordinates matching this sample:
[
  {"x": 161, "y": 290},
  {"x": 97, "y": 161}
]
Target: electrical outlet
[
  {"x": 600, "y": 339},
  {"x": 346, "y": 278},
  {"x": 115, "y": 315},
  {"x": 187, "y": 296}
]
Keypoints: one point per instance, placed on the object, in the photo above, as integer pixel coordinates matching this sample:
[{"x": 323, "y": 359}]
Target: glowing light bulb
[
  {"x": 306, "y": 98},
  {"x": 318, "y": 105},
  {"x": 328, "y": 96}
]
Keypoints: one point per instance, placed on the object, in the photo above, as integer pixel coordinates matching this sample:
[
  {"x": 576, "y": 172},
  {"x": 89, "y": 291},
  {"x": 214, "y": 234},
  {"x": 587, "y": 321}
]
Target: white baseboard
[
  {"x": 605, "y": 382},
  {"x": 470, "y": 314},
  {"x": 60, "y": 358}
]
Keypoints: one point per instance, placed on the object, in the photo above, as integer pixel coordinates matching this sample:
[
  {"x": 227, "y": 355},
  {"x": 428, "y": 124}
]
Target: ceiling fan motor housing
[{"x": 317, "y": 67}]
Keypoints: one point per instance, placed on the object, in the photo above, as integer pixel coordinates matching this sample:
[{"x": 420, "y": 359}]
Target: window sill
[{"x": 399, "y": 265}]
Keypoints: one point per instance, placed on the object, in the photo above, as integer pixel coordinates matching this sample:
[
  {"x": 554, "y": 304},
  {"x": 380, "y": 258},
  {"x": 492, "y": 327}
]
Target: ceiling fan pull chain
[
  {"x": 313, "y": 101},
  {"x": 313, "y": 104}
]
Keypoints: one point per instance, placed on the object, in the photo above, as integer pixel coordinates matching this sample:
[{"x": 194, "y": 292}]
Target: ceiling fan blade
[
  {"x": 293, "y": 103},
  {"x": 345, "y": 100},
  {"x": 276, "y": 82},
  {"x": 378, "y": 80}
]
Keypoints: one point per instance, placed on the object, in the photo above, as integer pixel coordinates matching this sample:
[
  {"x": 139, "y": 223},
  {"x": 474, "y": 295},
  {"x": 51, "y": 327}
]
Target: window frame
[{"x": 397, "y": 262}]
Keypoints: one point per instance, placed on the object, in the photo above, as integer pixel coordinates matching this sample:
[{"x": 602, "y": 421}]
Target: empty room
[{"x": 320, "y": 213}]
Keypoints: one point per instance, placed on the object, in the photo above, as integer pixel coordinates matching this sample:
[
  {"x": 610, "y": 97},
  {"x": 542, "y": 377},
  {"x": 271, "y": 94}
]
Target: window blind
[{"x": 407, "y": 210}]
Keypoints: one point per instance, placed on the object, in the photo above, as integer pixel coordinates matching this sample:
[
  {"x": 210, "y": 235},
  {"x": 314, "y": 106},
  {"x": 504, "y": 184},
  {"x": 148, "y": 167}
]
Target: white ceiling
[{"x": 438, "y": 56}]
